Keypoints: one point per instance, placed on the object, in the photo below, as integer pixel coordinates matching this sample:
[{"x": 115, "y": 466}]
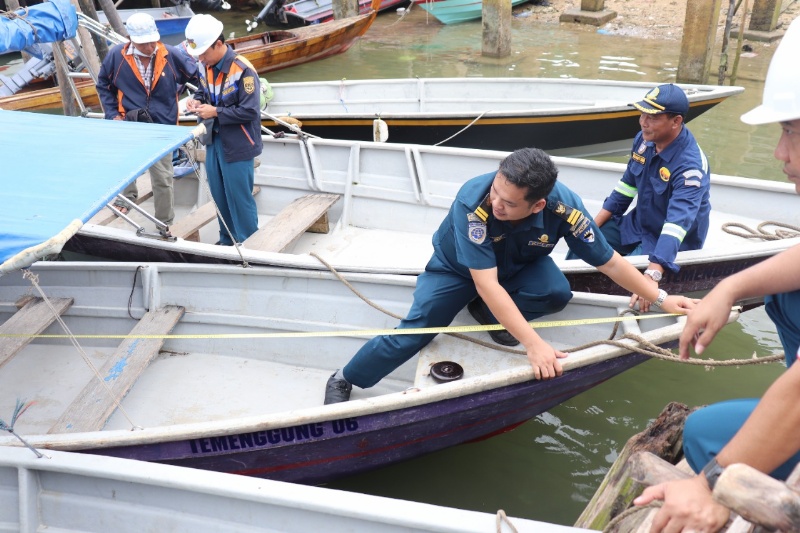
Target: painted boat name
[{"x": 260, "y": 439}]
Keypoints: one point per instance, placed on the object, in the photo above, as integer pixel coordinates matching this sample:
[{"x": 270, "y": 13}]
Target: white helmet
[
  {"x": 781, "y": 100},
  {"x": 201, "y": 32},
  {"x": 142, "y": 29}
]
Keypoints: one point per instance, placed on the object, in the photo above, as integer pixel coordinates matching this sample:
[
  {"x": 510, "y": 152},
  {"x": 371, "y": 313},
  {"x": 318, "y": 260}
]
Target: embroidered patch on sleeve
[
  {"x": 476, "y": 228},
  {"x": 249, "y": 84}
]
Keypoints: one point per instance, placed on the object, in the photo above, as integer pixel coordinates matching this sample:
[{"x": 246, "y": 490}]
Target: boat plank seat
[
  {"x": 32, "y": 317},
  {"x": 93, "y": 406},
  {"x": 145, "y": 188},
  {"x": 307, "y": 213},
  {"x": 188, "y": 227}
]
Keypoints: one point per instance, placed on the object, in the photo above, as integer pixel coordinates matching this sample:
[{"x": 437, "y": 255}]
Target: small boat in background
[
  {"x": 171, "y": 20},
  {"x": 454, "y": 11},
  {"x": 280, "y": 13},
  {"x": 565, "y": 116}
]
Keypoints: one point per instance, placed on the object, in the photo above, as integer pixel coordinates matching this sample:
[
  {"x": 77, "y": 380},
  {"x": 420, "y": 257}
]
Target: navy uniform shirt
[
  {"x": 471, "y": 238},
  {"x": 672, "y": 198}
]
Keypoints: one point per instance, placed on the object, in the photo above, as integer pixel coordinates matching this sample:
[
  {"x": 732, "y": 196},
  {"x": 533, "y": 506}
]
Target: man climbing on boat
[
  {"x": 491, "y": 254},
  {"x": 139, "y": 81},
  {"x": 763, "y": 434},
  {"x": 668, "y": 175}
]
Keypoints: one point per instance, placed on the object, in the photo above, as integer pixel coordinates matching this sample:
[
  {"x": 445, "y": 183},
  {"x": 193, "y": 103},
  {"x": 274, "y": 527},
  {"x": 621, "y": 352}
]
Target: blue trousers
[
  {"x": 231, "y": 187},
  {"x": 708, "y": 430},
  {"x": 610, "y": 231},
  {"x": 538, "y": 289}
]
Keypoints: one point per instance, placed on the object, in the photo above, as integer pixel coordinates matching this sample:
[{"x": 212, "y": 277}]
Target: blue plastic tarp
[
  {"x": 48, "y": 22},
  {"x": 55, "y": 170}
]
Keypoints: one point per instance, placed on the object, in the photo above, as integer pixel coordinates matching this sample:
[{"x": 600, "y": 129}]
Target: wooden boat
[
  {"x": 224, "y": 368},
  {"x": 268, "y": 51},
  {"x": 106, "y": 493},
  {"x": 454, "y": 11},
  {"x": 170, "y": 20},
  {"x": 563, "y": 116},
  {"x": 306, "y": 12},
  {"x": 381, "y": 203}
]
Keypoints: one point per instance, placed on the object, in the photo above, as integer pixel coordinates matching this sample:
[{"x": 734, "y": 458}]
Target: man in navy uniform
[
  {"x": 494, "y": 244},
  {"x": 668, "y": 174}
]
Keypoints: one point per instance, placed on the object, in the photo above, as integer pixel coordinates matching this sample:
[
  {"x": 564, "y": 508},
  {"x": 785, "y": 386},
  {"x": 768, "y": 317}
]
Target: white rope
[
  {"x": 462, "y": 130},
  {"x": 34, "y": 279}
]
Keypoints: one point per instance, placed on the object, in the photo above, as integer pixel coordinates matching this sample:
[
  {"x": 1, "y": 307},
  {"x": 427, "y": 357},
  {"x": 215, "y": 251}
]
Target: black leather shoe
[
  {"x": 337, "y": 390},
  {"x": 500, "y": 336}
]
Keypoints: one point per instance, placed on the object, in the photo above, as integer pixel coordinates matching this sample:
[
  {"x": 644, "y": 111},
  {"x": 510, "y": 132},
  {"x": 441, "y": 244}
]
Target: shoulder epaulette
[
  {"x": 575, "y": 218},
  {"x": 483, "y": 210}
]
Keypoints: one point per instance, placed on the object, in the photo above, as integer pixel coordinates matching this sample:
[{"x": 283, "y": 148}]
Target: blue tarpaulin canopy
[
  {"x": 48, "y": 22},
  {"x": 56, "y": 172}
]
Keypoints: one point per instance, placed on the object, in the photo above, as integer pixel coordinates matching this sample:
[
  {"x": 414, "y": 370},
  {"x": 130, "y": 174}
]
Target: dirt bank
[{"x": 653, "y": 19}]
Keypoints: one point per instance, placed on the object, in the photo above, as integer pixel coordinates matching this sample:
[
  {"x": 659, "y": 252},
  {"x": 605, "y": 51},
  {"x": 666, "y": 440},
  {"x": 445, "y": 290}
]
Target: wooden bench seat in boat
[
  {"x": 307, "y": 213},
  {"x": 33, "y": 317},
  {"x": 188, "y": 227},
  {"x": 94, "y": 405}
]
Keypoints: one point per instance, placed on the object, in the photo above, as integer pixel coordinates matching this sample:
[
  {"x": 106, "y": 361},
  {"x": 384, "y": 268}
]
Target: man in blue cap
[{"x": 668, "y": 175}]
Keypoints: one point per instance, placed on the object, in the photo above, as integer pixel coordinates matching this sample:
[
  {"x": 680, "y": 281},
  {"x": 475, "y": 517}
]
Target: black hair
[
  {"x": 221, "y": 38},
  {"x": 532, "y": 169}
]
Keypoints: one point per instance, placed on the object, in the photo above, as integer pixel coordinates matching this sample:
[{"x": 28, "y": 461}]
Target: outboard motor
[{"x": 273, "y": 14}]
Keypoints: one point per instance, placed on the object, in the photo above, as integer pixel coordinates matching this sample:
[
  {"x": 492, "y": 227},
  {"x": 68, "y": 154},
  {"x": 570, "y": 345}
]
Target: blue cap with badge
[{"x": 667, "y": 98}]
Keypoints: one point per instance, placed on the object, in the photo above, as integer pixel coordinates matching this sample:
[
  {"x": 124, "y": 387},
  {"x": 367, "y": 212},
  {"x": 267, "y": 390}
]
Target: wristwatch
[
  {"x": 653, "y": 273},
  {"x": 712, "y": 471},
  {"x": 662, "y": 295}
]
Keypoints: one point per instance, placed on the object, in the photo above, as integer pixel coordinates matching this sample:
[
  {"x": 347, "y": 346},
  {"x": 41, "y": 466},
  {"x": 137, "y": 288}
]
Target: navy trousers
[
  {"x": 708, "y": 430},
  {"x": 231, "y": 186},
  {"x": 538, "y": 289}
]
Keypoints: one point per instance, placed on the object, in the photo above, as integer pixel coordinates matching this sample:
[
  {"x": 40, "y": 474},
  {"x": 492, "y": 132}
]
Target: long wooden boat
[
  {"x": 124, "y": 496},
  {"x": 224, "y": 368},
  {"x": 455, "y": 11},
  {"x": 563, "y": 116},
  {"x": 268, "y": 51},
  {"x": 383, "y": 202}
]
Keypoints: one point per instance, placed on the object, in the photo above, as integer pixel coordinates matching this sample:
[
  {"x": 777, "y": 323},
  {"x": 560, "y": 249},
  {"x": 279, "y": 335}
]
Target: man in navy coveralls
[{"x": 495, "y": 244}]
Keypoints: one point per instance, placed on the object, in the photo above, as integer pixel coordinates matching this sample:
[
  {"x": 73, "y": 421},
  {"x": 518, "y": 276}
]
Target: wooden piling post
[
  {"x": 664, "y": 438},
  {"x": 345, "y": 8},
  {"x": 496, "y": 28},
  {"x": 765, "y": 15},
  {"x": 697, "y": 44}
]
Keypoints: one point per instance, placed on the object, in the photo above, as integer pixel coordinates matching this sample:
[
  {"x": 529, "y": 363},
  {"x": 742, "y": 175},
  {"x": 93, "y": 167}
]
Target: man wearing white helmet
[
  {"x": 228, "y": 102},
  {"x": 138, "y": 81},
  {"x": 763, "y": 434}
]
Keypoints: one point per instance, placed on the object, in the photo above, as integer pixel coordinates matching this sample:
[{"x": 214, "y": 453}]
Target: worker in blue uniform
[
  {"x": 668, "y": 175},
  {"x": 495, "y": 244},
  {"x": 765, "y": 433},
  {"x": 229, "y": 104}
]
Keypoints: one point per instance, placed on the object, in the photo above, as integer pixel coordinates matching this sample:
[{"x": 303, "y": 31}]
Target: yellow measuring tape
[{"x": 350, "y": 333}]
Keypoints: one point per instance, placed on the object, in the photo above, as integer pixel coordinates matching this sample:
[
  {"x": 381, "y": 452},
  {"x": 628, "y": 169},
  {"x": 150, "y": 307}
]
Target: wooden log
[
  {"x": 663, "y": 438},
  {"x": 758, "y": 498},
  {"x": 93, "y": 407},
  {"x": 33, "y": 317}
]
